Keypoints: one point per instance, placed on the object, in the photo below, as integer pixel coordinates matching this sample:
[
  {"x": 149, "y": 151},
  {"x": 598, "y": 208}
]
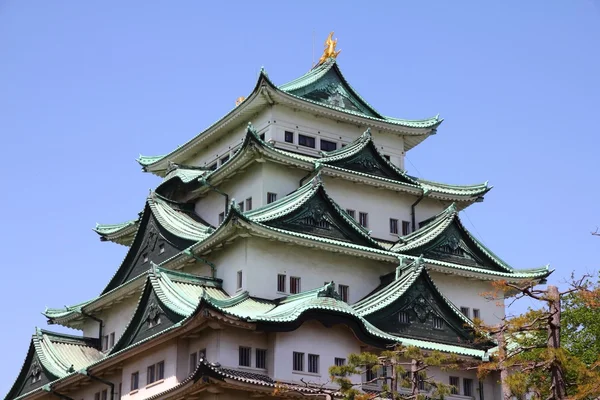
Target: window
[
  {"x": 161, "y": 248},
  {"x": 271, "y": 197},
  {"x": 212, "y": 166},
  {"x": 387, "y": 157},
  {"x": 298, "y": 361},
  {"x": 363, "y": 219},
  {"x": 261, "y": 358},
  {"x": 104, "y": 394},
  {"x": 467, "y": 387},
  {"x": 160, "y": 370},
  {"x": 221, "y": 217},
  {"x": 289, "y": 137},
  {"x": 120, "y": 394},
  {"x": 241, "y": 206},
  {"x": 224, "y": 159},
  {"x": 202, "y": 354},
  {"x": 150, "y": 375},
  {"x": 454, "y": 384},
  {"x": 145, "y": 257},
  {"x": 405, "y": 227},
  {"x": 244, "y": 356},
  {"x": 249, "y": 204},
  {"x": 476, "y": 313},
  {"x": 294, "y": 284},
  {"x": 339, "y": 362},
  {"x": 343, "y": 290},
  {"x": 281, "y": 283},
  {"x": 97, "y": 396},
  {"x": 326, "y": 145},
  {"x": 465, "y": 311},
  {"x": 193, "y": 362},
  {"x": 306, "y": 141},
  {"x": 262, "y": 136},
  {"x": 438, "y": 323},
  {"x": 403, "y": 317},
  {"x": 370, "y": 375},
  {"x": 111, "y": 340},
  {"x": 239, "y": 280},
  {"x": 313, "y": 363},
  {"x": 393, "y": 226},
  {"x": 421, "y": 382},
  {"x": 105, "y": 343},
  {"x": 135, "y": 381},
  {"x": 351, "y": 213}
]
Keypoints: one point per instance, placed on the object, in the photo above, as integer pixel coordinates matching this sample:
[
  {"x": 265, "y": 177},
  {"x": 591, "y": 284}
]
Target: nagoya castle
[{"x": 280, "y": 240}]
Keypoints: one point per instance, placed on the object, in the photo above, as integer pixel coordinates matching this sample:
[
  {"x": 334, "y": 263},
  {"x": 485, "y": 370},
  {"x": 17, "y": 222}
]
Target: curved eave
[
  {"x": 484, "y": 274},
  {"x": 72, "y": 317},
  {"x": 122, "y": 234},
  {"x": 251, "y": 105}
]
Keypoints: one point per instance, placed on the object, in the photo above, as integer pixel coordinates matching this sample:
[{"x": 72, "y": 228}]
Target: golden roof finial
[
  {"x": 239, "y": 100},
  {"x": 329, "y": 51}
]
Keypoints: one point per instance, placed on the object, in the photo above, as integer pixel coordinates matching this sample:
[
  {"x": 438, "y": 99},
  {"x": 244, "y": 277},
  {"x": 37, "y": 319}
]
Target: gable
[
  {"x": 331, "y": 90},
  {"x": 151, "y": 317},
  {"x": 318, "y": 217},
  {"x": 454, "y": 246},
  {"x": 32, "y": 376},
  {"x": 369, "y": 161},
  {"x": 152, "y": 244},
  {"x": 422, "y": 305}
]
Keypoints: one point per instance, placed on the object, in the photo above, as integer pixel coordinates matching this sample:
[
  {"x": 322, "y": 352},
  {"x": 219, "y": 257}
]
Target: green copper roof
[
  {"x": 176, "y": 218},
  {"x": 185, "y": 173},
  {"x": 122, "y": 233},
  {"x": 325, "y": 85},
  {"x": 147, "y": 160}
]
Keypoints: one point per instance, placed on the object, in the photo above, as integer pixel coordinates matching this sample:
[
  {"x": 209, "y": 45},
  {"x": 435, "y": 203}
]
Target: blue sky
[{"x": 87, "y": 86}]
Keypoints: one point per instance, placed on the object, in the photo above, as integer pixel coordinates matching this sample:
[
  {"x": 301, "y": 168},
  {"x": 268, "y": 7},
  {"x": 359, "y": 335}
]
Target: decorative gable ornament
[
  {"x": 329, "y": 291},
  {"x": 154, "y": 312}
]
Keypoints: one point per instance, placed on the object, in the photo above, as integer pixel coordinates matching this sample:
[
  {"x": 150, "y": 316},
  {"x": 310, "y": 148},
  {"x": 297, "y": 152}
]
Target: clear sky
[{"x": 87, "y": 86}]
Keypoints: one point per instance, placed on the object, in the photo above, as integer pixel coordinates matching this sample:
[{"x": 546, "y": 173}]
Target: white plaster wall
[
  {"x": 285, "y": 118},
  {"x": 265, "y": 259},
  {"x": 227, "y": 142},
  {"x": 87, "y": 392},
  {"x": 380, "y": 204},
  {"x": 467, "y": 293},
  {"x": 229, "y": 260},
  {"x": 115, "y": 319},
  {"x": 166, "y": 353},
  {"x": 231, "y": 339},
  {"x": 427, "y": 208},
  {"x": 280, "y": 179},
  {"x": 311, "y": 338}
]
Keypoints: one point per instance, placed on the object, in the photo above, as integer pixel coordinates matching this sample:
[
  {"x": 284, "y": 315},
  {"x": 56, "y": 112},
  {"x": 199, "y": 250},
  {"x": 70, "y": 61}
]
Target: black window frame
[
  {"x": 467, "y": 387},
  {"x": 249, "y": 204},
  {"x": 394, "y": 226},
  {"x": 224, "y": 159},
  {"x": 307, "y": 141},
  {"x": 339, "y": 361},
  {"x": 288, "y": 136},
  {"x": 404, "y": 317},
  {"x": 363, "y": 219},
  {"x": 245, "y": 356},
  {"x": 193, "y": 362},
  {"x": 313, "y": 363},
  {"x": 271, "y": 197},
  {"x": 466, "y": 311},
  {"x": 332, "y": 145},
  {"x": 454, "y": 382},
  {"x": 281, "y": 283},
  {"x": 476, "y": 313},
  {"x": 295, "y": 284},
  {"x": 344, "y": 292},
  {"x": 240, "y": 279},
  {"x": 260, "y": 358},
  {"x": 351, "y": 213},
  {"x": 298, "y": 361},
  {"x": 135, "y": 380},
  {"x": 437, "y": 322}
]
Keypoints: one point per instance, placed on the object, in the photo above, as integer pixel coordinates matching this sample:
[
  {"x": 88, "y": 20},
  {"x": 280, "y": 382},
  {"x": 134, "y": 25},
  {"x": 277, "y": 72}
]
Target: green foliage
[{"x": 581, "y": 328}]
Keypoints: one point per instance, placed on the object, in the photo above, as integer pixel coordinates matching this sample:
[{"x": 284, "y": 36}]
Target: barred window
[
  {"x": 467, "y": 387},
  {"x": 239, "y": 280},
  {"x": 394, "y": 226},
  {"x": 244, "y": 356},
  {"x": 221, "y": 217},
  {"x": 135, "y": 380},
  {"x": 271, "y": 197},
  {"x": 104, "y": 394},
  {"x": 160, "y": 370},
  {"x": 363, "y": 219},
  {"x": 298, "y": 361},
  {"x": 313, "y": 363},
  {"x": 224, "y": 159},
  {"x": 465, "y": 311},
  {"x": 150, "y": 374},
  {"x": 193, "y": 362},
  {"x": 249, "y": 204},
  {"x": 476, "y": 313},
  {"x": 241, "y": 206},
  {"x": 111, "y": 340},
  {"x": 339, "y": 362},
  {"x": 212, "y": 166},
  {"x": 405, "y": 228},
  {"x": 351, "y": 213},
  {"x": 281, "y": 283},
  {"x": 454, "y": 384},
  {"x": 261, "y": 358},
  {"x": 343, "y": 290},
  {"x": 438, "y": 323},
  {"x": 370, "y": 375},
  {"x": 97, "y": 396},
  {"x": 403, "y": 317},
  {"x": 294, "y": 284}
]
